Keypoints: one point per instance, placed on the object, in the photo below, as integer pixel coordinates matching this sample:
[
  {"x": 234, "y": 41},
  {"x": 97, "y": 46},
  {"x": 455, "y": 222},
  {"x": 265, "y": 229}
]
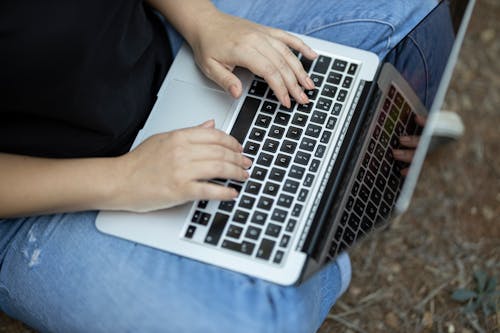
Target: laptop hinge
[{"x": 319, "y": 232}]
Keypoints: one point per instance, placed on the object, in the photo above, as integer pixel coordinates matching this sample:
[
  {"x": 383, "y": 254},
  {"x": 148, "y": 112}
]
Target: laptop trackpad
[{"x": 183, "y": 104}]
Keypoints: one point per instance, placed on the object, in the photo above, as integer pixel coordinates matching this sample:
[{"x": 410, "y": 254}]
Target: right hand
[{"x": 172, "y": 168}]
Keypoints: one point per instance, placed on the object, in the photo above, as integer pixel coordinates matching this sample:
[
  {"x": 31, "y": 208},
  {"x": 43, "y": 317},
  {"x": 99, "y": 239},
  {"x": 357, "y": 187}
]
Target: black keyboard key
[
  {"x": 258, "y": 88},
  {"x": 276, "y": 132},
  {"x": 349, "y": 236},
  {"x": 354, "y": 222},
  {"x": 347, "y": 82},
  {"x": 337, "y": 107},
  {"x": 296, "y": 172},
  {"x": 297, "y": 209},
  {"x": 271, "y": 95},
  {"x": 355, "y": 188},
  {"x": 253, "y": 232},
  {"x": 278, "y": 257},
  {"x": 290, "y": 226},
  {"x": 270, "y": 145},
  {"x": 265, "y": 159},
  {"x": 329, "y": 91},
  {"x": 342, "y": 95},
  {"x": 371, "y": 211},
  {"x": 381, "y": 118},
  {"x": 325, "y": 137},
  {"x": 352, "y": 69},
  {"x": 273, "y": 230},
  {"x": 366, "y": 224},
  {"x": 299, "y": 120},
  {"x": 294, "y": 133},
  {"x": 285, "y": 240},
  {"x": 257, "y": 134},
  {"x": 386, "y": 105},
  {"x": 240, "y": 216},
  {"x": 364, "y": 192},
  {"x": 369, "y": 179},
  {"x": 314, "y": 165},
  {"x": 398, "y": 100},
  {"x": 251, "y": 148},
  {"x": 317, "y": 79},
  {"x": 282, "y": 118},
  {"x": 291, "y": 186},
  {"x": 282, "y": 160},
  {"x": 385, "y": 169},
  {"x": 392, "y": 91},
  {"x": 307, "y": 144},
  {"x": 359, "y": 207},
  {"x": 320, "y": 151},
  {"x": 311, "y": 94},
  {"x": 384, "y": 139},
  {"x": 244, "y": 119},
  {"x": 308, "y": 180},
  {"x": 269, "y": 107},
  {"x": 306, "y": 108},
  {"x": 374, "y": 165},
  {"x": 334, "y": 78},
  {"x": 216, "y": 229},
  {"x": 405, "y": 113},
  {"x": 322, "y": 64},
  {"x": 288, "y": 146},
  {"x": 277, "y": 174},
  {"x": 244, "y": 247},
  {"x": 263, "y": 120},
  {"x": 380, "y": 182},
  {"x": 350, "y": 203},
  {"x": 265, "y": 203},
  {"x": 339, "y": 65},
  {"x": 190, "y": 232},
  {"x": 361, "y": 174},
  {"x": 393, "y": 183},
  {"x": 285, "y": 200},
  {"x": 253, "y": 187},
  {"x": 324, "y": 104},
  {"x": 302, "y": 195},
  {"x": 313, "y": 130},
  {"x": 227, "y": 206},
  {"x": 202, "y": 204},
  {"x": 234, "y": 231},
  {"x": 318, "y": 117},
  {"x": 279, "y": 215},
  {"x": 302, "y": 158},
  {"x": 330, "y": 124},
  {"x": 385, "y": 210},
  {"x": 389, "y": 196},
  {"x": 271, "y": 188},
  {"x": 306, "y": 63},
  {"x": 393, "y": 113},
  {"x": 376, "y": 196},
  {"x": 265, "y": 249},
  {"x": 201, "y": 218},
  {"x": 259, "y": 217},
  {"x": 259, "y": 173},
  {"x": 246, "y": 202}
]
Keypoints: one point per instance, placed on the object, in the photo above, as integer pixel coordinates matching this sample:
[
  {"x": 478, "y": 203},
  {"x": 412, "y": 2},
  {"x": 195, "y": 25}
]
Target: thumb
[
  {"x": 207, "y": 124},
  {"x": 225, "y": 78}
]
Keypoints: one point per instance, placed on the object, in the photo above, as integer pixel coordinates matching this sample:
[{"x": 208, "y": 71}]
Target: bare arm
[{"x": 165, "y": 170}]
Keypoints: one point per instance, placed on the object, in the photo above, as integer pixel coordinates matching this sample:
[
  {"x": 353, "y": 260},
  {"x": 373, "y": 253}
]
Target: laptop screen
[{"x": 425, "y": 59}]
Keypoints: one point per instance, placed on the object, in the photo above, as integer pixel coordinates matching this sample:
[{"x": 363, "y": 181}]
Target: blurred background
[{"x": 407, "y": 278}]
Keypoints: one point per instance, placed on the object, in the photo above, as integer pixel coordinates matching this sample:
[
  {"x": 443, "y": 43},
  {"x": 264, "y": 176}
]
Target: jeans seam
[
  {"x": 326, "y": 26},
  {"x": 426, "y": 67}
]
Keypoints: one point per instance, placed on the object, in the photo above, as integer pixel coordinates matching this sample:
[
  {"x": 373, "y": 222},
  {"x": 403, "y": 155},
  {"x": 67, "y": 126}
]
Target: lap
[{"x": 60, "y": 274}]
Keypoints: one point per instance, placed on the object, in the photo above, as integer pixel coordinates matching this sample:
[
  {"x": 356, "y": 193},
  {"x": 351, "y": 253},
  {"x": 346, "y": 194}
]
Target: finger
[
  {"x": 207, "y": 124},
  {"x": 210, "y": 191},
  {"x": 221, "y": 75},
  {"x": 288, "y": 76},
  {"x": 295, "y": 65},
  {"x": 211, "y": 136},
  {"x": 403, "y": 155},
  {"x": 294, "y": 42},
  {"x": 404, "y": 172},
  {"x": 410, "y": 141},
  {"x": 206, "y": 170},
  {"x": 203, "y": 152},
  {"x": 261, "y": 65},
  {"x": 420, "y": 120}
]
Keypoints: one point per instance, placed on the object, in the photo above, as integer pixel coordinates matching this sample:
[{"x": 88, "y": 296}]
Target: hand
[
  {"x": 411, "y": 142},
  {"x": 172, "y": 168},
  {"x": 223, "y": 42}
]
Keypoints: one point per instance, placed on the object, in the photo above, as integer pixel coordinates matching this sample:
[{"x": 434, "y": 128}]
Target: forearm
[
  {"x": 186, "y": 16},
  {"x": 31, "y": 185}
]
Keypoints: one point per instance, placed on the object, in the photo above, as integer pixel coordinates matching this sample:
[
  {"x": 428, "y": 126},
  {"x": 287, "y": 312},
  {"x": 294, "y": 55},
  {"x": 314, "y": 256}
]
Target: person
[{"x": 77, "y": 82}]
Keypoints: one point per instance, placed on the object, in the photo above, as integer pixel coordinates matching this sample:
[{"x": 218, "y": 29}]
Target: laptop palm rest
[{"x": 184, "y": 104}]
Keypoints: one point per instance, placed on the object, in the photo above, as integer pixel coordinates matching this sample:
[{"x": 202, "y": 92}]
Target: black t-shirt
[{"x": 77, "y": 78}]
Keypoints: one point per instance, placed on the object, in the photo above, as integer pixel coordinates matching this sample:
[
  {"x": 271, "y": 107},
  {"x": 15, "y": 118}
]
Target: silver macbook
[{"x": 323, "y": 175}]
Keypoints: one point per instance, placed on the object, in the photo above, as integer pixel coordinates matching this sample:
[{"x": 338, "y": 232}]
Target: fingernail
[
  {"x": 248, "y": 162},
  {"x": 233, "y": 90},
  {"x": 310, "y": 83},
  {"x": 397, "y": 153},
  {"x": 304, "y": 98},
  {"x": 404, "y": 139},
  {"x": 287, "y": 102}
]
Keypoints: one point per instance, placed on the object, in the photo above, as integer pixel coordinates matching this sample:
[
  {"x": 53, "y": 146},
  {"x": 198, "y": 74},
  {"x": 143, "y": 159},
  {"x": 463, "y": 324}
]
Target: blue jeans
[{"x": 59, "y": 274}]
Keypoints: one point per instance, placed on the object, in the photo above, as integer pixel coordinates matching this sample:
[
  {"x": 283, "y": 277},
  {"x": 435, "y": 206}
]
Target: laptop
[{"x": 323, "y": 175}]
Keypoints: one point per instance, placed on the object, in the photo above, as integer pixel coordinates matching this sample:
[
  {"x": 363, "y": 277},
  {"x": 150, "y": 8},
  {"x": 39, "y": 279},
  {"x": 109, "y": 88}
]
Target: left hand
[{"x": 224, "y": 42}]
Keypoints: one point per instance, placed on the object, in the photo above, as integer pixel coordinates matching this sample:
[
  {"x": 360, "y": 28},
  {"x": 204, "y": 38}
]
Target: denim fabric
[{"x": 59, "y": 274}]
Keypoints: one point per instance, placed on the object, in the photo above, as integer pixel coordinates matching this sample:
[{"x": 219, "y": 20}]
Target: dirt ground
[{"x": 403, "y": 278}]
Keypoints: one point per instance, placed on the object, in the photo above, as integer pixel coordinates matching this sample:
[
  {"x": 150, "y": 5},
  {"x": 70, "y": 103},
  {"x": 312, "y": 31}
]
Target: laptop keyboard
[
  {"x": 287, "y": 146},
  {"x": 378, "y": 178}
]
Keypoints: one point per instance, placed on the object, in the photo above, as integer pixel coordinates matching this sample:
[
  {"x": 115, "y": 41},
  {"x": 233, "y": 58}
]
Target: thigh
[
  {"x": 375, "y": 25},
  {"x": 60, "y": 274}
]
